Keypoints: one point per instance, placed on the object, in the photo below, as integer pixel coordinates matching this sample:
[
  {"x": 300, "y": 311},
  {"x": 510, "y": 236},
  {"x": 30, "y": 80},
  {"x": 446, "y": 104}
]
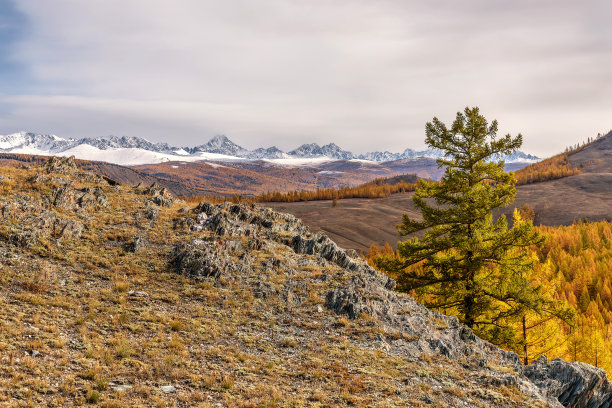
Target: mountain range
[{"x": 135, "y": 150}]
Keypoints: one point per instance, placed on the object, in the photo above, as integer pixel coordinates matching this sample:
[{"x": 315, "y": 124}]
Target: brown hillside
[
  {"x": 358, "y": 223},
  {"x": 596, "y": 157},
  {"x": 126, "y": 297},
  {"x": 117, "y": 174}
]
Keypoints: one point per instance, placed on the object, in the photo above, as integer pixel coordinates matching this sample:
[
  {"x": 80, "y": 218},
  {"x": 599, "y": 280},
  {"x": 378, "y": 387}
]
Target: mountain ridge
[{"x": 47, "y": 144}]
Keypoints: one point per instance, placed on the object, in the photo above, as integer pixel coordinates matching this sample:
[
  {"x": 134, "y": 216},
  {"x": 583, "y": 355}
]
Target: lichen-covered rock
[
  {"x": 343, "y": 301},
  {"x": 150, "y": 213},
  {"x": 201, "y": 260},
  {"x": 160, "y": 195},
  {"x": 69, "y": 229},
  {"x": 39, "y": 223},
  {"x": 92, "y": 197},
  {"x": 162, "y": 201},
  {"x": 68, "y": 198},
  {"x": 575, "y": 385},
  {"x": 60, "y": 165}
]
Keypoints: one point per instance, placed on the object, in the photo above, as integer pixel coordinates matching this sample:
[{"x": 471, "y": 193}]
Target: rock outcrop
[
  {"x": 575, "y": 385},
  {"x": 69, "y": 198},
  {"x": 364, "y": 292},
  {"x": 367, "y": 292}
]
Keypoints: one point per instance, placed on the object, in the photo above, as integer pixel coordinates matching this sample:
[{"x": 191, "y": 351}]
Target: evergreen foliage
[{"x": 469, "y": 264}]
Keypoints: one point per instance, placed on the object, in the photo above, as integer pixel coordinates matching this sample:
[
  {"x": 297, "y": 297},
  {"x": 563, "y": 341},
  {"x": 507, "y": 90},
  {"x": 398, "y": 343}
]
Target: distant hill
[
  {"x": 596, "y": 157},
  {"x": 357, "y": 223}
]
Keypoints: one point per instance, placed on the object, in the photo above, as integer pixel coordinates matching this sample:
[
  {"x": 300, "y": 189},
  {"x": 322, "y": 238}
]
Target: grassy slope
[{"x": 71, "y": 301}]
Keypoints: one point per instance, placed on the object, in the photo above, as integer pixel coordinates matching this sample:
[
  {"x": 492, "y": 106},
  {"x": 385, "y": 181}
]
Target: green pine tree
[{"x": 467, "y": 263}]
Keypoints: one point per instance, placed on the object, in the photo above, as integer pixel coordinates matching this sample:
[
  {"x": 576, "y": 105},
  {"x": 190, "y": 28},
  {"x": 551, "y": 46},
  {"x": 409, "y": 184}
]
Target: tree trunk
[{"x": 525, "y": 358}]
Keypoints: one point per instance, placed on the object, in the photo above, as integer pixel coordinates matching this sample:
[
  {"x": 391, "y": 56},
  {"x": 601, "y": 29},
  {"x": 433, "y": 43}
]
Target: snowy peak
[
  {"x": 520, "y": 157},
  {"x": 136, "y": 150},
  {"x": 32, "y": 143},
  {"x": 309, "y": 150},
  {"x": 334, "y": 151},
  {"x": 126, "y": 142},
  {"x": 313, "y": 150},
  {"x": 269, "y": 153},
  {"x": 221, "y": 144}
]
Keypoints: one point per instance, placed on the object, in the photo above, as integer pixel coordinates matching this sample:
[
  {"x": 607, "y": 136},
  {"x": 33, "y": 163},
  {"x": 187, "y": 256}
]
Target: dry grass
[{"x": 71, "y": 329}]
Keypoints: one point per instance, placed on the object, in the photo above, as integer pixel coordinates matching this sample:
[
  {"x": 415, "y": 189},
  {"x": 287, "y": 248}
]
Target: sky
[{"x": 366, "y": 75}]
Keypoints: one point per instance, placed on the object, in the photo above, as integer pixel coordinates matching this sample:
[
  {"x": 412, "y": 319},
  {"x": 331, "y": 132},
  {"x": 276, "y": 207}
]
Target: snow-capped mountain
[
  {"x": 380, "y": 156},
  {"x": 312, "y": 150},
  {"x": 126, "y": 142},
  {"x": 520, "y": 157},
  {"x": 269, "y": 153},
  {"x": 32, "y": 143},
  {"x": 220, "y": 144},
  {"x": 135, "y": 150}
]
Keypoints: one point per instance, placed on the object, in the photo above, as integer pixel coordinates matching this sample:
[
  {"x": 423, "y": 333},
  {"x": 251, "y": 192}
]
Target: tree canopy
[{"x": 467, "y": 263}]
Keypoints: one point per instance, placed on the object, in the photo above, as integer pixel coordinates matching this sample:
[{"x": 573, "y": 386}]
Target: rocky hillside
[{"x": 121, "y": 296}]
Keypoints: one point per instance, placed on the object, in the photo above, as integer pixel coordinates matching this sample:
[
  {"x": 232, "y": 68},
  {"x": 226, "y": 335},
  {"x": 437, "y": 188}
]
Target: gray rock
[
  {"x": 60, "y": 165},
  {"x": 70, "y": 229},
  {"x": 151, "y": 213},
  {"x": 138, "y": 293},
  {"x": 120, "y": 387},
  {"x": 167, "y": 389},
  {"x": 208, "y": 260},
  {"x": 575, "y": 385},
  {"x": 162, "y": 201},
  {"x": 343, "y": 301},
  {"x": 263, "y": 290},
  {"x": 68, "y": 198}
]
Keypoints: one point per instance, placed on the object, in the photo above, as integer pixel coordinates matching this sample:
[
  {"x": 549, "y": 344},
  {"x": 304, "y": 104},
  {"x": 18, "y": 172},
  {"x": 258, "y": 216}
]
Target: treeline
[
  {"x": 574, "y": 264},
  {"x": 555, "y": 167},
  {"x": 377, "y": 188}
]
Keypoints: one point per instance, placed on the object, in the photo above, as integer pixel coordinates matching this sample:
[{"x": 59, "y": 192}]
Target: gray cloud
[{"x": 366, "y": 75}]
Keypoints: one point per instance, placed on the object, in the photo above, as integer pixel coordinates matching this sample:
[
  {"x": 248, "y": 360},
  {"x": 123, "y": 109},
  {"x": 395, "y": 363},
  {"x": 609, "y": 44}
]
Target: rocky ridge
[
  {"x": 368, "y": 292},
  {"x": 247, "y": 297}
]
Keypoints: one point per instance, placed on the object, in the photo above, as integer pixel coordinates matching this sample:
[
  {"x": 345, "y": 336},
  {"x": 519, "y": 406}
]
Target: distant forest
[{"x": 555, "y": 167}]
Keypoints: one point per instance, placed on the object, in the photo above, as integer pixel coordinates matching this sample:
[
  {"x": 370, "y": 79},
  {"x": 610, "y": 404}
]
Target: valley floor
[{"x": 357, "y": 223}]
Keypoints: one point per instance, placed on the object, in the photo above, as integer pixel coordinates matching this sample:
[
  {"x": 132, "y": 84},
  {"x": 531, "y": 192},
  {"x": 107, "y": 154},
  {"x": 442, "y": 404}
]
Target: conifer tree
[{"x": 469, "y": 264}]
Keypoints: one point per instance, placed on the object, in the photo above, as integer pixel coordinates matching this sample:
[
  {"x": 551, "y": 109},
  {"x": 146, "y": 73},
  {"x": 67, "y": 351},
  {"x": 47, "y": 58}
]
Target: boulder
[
  {"x": 201, "y": 260},
  {"x": 60, "y": 165},
  {"x": 575, "y": 385}
]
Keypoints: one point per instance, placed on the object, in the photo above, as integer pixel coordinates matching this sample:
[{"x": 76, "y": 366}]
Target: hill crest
[{"x": 155, "y": 301}]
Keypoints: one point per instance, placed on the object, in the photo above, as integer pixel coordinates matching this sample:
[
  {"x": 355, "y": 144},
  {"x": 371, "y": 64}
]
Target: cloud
[{"x": 367, "y": 75}]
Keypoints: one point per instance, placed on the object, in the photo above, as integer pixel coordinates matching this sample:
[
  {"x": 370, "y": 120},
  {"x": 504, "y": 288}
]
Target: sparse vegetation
[{"x": 85, "y": 319}]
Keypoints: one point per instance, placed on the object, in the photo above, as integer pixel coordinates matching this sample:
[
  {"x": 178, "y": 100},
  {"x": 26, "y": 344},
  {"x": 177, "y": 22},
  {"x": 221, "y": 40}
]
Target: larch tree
[{"x": 467, "y": 263}]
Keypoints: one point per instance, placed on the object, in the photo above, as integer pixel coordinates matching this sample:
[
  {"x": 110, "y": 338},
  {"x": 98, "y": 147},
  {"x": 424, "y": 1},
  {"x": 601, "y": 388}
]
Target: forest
[
  {"x": 555, "y": 167},
  {"x": 574, "y": 264},
  {"x": 377, "y": 188}
]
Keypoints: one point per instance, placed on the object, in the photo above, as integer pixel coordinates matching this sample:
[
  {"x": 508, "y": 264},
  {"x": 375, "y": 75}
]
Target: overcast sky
[{"x": 366, "y": 75}]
